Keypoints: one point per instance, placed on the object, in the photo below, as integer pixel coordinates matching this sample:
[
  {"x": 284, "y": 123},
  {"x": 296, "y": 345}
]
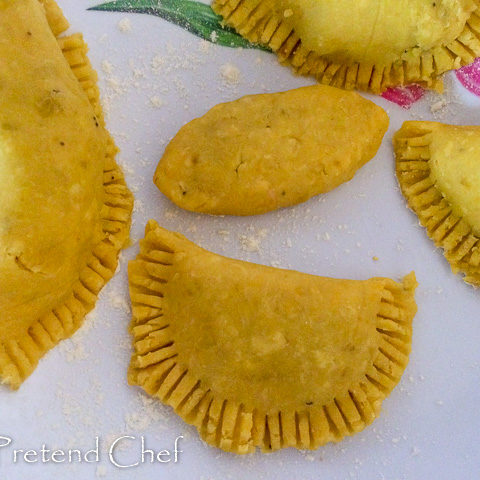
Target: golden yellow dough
[
  {"x": 264, "y": 152},
  {"x": 65, "y": 206},
  {"x": 255, "y": 356},
  {"x": 368, "y": 44},
  {"x": 438, "y": 167}
]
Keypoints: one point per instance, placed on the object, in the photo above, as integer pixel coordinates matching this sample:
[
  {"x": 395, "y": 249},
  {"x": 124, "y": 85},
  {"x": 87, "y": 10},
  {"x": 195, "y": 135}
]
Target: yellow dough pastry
[
  {"x": 255, "y": 356},
  {"x": 369, "y": 44},
  {"x": 65, "y": 206},
  {"x": 438, "y": 168},
  {"x": 264, "y": 152}
]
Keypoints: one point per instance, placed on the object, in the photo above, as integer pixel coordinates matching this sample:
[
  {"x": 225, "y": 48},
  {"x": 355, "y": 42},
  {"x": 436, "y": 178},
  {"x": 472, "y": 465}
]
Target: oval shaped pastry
[
  {"x": 369, "y": 45},
  {"x": 65, "y": 206},
  {"x": 264, "y": 152},
  {"x": 438, "y": 168},
  {"x": 257, "y": 356}
]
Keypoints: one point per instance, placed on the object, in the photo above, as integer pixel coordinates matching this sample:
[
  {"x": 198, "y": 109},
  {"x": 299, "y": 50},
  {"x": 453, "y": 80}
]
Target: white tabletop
[{"x": 154, "y": 77}]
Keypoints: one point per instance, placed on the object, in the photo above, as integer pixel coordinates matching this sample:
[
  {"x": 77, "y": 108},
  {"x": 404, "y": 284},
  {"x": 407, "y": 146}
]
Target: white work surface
[{"x": 155, "y": 77}]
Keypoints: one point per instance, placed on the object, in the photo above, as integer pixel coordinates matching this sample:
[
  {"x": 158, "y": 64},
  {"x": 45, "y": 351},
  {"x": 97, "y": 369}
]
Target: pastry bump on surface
[
  {"x": 461, "y": 246},
  {"x": 19, "y": 358},
  {"x": 227, "y": 423},
  {"x": 259, "y": 23}
]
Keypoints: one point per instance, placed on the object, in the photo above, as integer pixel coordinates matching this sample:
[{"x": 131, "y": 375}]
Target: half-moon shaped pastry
[
  {"x": 438, "y": 168},
  {"x": 258, "y": 356},
  {"x": 264, "y": 152},
  {"x": 65, "y": 207},
  {"x": 368, "y": 45}
]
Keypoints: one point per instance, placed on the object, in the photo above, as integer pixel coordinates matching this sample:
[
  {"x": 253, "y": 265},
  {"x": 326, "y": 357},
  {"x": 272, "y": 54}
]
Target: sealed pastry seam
[
  {"x": 20, "y": 356},
  {"x": 162, "y": 367},
  {"x": 257, "y": 21},
  {"x": 444, "y": 224}
]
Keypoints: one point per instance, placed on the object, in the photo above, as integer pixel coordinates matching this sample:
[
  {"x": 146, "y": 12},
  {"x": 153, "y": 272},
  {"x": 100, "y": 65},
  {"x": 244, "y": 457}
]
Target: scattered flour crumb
[
  {"x": 204, "y": 46},
  {"x": 156, "y": 102},
  {"x": 107, "y": 67},
  {"x": 157, "y": 62},
  {"x": 137, "y": 73},
  {"x": 101, "y": 471},
  {"x": 124, "y": 25},
  {"x": 252, "y": 242},
  {"x": 150, "y": 412},
  {"x": 225, "y": 234},
  {"x": 415, "y": 451},
  {"x": 439, "y": 105},
  {"x": 118, "y": 302},
  {"x": 73, "y": 350},
  {"x": 138, "y": 206},
  {"x": 230, "y": 74},
  {"x": 170, "y": 214},
  {"x": 116, "y": 85},
  {"x": 137, "y": 421}
]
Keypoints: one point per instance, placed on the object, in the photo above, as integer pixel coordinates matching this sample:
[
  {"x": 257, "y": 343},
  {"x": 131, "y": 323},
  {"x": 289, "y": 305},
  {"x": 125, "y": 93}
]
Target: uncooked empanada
[
  {"x": 65, "y": 208},
  {"x": 264, "y": 152},
  {"x": 258, "y": 356},
  {"x": 369, "y": 45},
  {"x": 438, "y": 168}
]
